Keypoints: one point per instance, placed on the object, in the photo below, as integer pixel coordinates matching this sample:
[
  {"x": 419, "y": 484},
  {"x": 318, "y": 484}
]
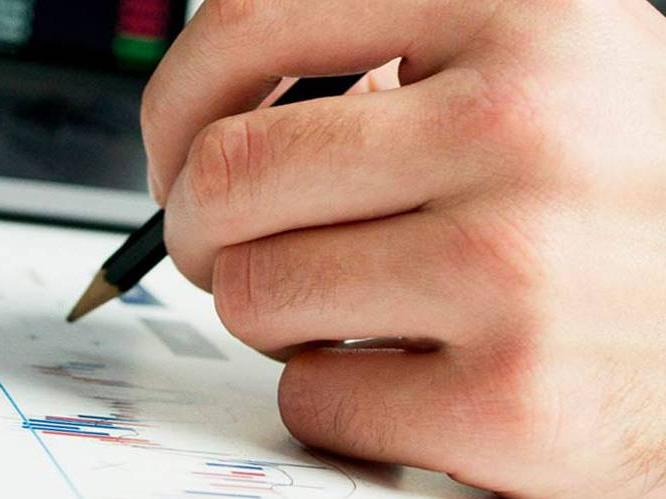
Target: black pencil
[{"x": 144, "y": 249}]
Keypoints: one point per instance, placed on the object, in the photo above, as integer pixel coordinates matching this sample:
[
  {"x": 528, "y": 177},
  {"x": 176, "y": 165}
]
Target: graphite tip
[{"x": 98, "y": 293}]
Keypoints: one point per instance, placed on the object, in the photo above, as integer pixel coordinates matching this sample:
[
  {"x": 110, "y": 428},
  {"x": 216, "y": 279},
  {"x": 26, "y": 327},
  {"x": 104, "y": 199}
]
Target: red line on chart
[
  {"x": 120, "y": 440},
  {"x": 248, "y": 473}
]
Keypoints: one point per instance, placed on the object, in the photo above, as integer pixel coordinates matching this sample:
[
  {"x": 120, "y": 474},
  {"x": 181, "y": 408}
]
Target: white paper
[{"x": 147, "y": 400}]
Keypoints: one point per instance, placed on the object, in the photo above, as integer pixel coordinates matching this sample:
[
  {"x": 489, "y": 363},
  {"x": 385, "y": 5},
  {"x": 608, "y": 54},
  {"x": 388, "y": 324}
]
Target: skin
[{"x": 506, "y": 203}]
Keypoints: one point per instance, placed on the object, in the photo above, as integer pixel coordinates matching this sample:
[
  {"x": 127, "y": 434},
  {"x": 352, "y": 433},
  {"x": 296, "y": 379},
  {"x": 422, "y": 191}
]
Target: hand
[{"x": 507, "y": 201}]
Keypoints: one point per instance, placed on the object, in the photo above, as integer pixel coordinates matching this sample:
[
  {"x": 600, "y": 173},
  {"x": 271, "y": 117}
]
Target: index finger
[{"x": 234, "y": 52}]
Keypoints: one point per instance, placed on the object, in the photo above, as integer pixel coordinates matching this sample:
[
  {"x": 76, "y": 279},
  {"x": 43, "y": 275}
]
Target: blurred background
[{"x": 71, "y": 77}]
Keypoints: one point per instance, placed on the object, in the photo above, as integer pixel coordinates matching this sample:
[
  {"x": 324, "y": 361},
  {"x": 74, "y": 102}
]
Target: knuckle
[
  {"x": 497, "y": 114},
  {"x": 258, "y": 284},
  {"x": 249, "y": 285},
  {"x": 207, "y": 170},
  {"x": 511, "y": 396},
  {"x": 224, "y": 168},
  {"x": 496, "y": 117},
  {"x": 502, "y": 251},
  {"x": 234, "y": 292}
]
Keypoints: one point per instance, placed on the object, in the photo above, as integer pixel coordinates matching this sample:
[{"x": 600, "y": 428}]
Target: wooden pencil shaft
[
  {"x": 142, "y": 251},
  {"x": 317, "y": 88}
]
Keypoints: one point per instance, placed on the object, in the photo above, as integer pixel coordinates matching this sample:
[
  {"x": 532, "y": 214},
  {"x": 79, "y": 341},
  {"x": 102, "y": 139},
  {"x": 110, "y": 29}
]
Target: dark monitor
[
  {"x": 112, "y": 34},
  {"x": 71, "y": 77}
]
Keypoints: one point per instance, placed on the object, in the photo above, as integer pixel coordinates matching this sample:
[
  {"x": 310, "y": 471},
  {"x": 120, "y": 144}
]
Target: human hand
[{"x": 507, "y": 201}]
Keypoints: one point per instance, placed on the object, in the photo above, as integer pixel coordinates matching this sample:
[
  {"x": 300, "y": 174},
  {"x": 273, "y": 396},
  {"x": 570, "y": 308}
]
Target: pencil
[{"x": 145, "y": 248}]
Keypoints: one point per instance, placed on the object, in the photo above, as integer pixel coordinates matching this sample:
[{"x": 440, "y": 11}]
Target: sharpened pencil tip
[
  {"x": 98, "y": 293},
  {"x": 75, "y": 314}
]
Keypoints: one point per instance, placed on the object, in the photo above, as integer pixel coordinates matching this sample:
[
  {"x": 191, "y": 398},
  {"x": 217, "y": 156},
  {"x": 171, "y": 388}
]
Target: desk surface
[{"x": 149, "y": 397}]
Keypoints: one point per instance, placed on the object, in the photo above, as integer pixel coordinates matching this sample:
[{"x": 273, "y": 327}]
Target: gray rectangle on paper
[{"x": 182, "y": 339}]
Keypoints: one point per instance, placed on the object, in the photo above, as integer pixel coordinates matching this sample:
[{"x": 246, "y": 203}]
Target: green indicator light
[{"x": 138, "y": 52}]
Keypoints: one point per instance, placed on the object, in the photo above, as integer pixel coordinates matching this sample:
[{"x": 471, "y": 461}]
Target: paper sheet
[{"x": 149, "y": 396}]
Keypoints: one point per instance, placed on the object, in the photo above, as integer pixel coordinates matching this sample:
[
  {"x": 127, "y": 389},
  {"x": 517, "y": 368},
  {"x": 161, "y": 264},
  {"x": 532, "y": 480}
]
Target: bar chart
[{"x": 129, "y": 403}]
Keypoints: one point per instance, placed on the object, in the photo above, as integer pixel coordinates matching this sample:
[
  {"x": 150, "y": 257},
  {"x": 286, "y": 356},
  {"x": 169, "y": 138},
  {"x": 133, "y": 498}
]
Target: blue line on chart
[
  {"x": 239, "y": 466},
  {"x": 273, "y": 464},
  {"x": 64, "y": 430},
  {"x": 85, "y": 416},
  {"x": 62, "y": 472},
  {"x": 60, "y": 422}
]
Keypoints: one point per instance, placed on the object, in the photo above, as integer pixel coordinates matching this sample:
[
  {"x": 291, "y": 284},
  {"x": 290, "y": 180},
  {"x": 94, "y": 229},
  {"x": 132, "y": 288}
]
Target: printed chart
[{"x": 148, "y": 397}]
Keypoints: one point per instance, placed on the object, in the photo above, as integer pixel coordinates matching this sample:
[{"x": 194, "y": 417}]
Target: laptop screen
[
  {"x": 113, "y": 34},
  {"x": 72, "y": 74}
]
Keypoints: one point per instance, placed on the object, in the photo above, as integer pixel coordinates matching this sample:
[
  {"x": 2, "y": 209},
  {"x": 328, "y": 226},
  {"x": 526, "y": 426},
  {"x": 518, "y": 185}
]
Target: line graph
[
  {"x": 200, "y": 472},
  {"x": 112, "y": 419},
  {"x": 40, "y": 442},
  {"x": 103, "y": 428},
  {"x": 104, "y": 410},
  {"x": 266, "y": 479}
]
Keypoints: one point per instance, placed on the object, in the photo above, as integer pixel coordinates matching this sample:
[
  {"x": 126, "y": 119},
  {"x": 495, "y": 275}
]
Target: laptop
[{"x": 71, "y": 77}]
